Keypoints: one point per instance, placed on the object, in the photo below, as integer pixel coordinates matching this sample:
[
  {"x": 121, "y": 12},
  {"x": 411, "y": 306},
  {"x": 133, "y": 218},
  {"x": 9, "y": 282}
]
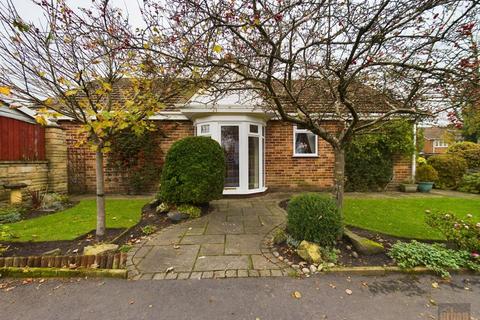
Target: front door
[{"x": 230, "y": 141}]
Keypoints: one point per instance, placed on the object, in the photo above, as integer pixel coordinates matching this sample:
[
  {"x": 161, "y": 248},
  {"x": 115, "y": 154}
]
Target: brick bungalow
[
  {"x": 262, "y": 152},
  {"x": 437, "y": 139}
]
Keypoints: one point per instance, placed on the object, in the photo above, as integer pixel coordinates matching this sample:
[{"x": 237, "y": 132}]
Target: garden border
[{"x": 26, "y": 272}]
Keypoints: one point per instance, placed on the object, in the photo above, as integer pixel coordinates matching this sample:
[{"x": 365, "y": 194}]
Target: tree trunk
[
  {"x": 100, "y": 232},
  {"x": 339, "y": 178}
]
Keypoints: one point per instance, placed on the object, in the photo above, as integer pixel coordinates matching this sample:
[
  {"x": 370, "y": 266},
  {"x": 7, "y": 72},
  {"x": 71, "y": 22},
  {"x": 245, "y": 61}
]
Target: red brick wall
[
  {"x": 283, "y": 170},
  {"x": 402, "y": 170},
  {"x": 81, "y": 159}
]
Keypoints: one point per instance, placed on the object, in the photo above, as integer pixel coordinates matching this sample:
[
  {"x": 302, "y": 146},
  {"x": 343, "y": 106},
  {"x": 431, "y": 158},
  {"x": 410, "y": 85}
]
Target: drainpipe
[{"x": 414, "y": 156}]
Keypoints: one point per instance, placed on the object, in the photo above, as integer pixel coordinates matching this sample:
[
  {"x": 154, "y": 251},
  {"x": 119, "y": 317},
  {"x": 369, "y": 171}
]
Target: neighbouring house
[
  {"x": 30, "y": 153},
  {"x": 261, "y": 151},
  {"x": 438, "y": 139}
]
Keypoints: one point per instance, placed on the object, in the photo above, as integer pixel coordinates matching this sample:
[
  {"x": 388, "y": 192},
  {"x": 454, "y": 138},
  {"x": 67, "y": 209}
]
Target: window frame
[
  {"x": 440, "y": 143},
  {"x": 303, "y": 155}
]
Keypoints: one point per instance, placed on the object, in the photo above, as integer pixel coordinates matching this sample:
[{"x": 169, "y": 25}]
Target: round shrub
[
  {"x": 467, "y": 150},
  {"x": 426, "y": 173},
  {"x": 193, "y": 172},
  {"x": 314, "y": 217},
  {"x": 450, "y": 170}
]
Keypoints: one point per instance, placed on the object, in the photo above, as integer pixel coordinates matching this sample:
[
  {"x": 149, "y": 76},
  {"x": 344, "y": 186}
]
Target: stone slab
[
  {"x": 163, "y": 257},
  {"x": 203, "y": 239},
  {"x": 213, "y": 263},
  {"x": 243, "y": 244}
]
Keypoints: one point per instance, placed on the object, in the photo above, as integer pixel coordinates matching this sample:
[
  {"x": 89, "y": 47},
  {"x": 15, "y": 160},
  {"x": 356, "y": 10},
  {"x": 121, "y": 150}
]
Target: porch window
[
  {"x": 304, "y": 143},
  {"x": 440, "y": 144}
]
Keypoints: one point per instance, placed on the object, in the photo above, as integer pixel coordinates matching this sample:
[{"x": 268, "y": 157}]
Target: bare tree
[
  {"x": 76, "y": 64},
  {"x": 360, "y": 63}
]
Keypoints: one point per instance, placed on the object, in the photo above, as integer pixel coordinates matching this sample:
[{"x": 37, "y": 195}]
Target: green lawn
[
  {"x": 76, "y": 221},
  {"x": 404, "y": 217}
]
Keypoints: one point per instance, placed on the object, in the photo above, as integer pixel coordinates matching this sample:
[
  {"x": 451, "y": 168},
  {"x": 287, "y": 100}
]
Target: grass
[
  {"x": 76, "y": 221},
  {"x": 404, "y": 217}
]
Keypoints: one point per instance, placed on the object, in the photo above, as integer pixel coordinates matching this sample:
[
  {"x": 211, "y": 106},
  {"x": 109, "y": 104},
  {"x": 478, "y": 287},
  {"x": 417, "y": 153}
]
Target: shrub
[
  {"x": 426, "y": 173},
  {"x": 433, "y": 256},
  {"x": 369, "y": 156},
  {"x": 314, "y": 217},
  {"x": 192, "y": 211},
  {"x": 450, "y": 170},
  {"x": 149, "y": 229},
  {"x": 193, "y": 172},
  {"x": 465, "y": 233},
  {"x": 469, "y": 151},
  {"x": 10, "y": 213},
  {"x": 470, "y": 183}
]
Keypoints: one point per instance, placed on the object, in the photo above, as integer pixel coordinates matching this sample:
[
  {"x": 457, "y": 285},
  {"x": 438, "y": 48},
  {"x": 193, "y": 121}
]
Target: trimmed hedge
[
  {"x": 426, "y": 173},
  {"x": 314, "y": 217},
  {"x": 193, "y": 172},
  {"x": 450, "y": 170},
  {"x": 467, "y": 150},
  {"x": 470, "y": 183}
]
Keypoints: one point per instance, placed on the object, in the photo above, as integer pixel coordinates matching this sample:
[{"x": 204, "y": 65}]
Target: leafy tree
[
  {"x": 77, "y": 64},
  {"x": 312, "y": 62}
]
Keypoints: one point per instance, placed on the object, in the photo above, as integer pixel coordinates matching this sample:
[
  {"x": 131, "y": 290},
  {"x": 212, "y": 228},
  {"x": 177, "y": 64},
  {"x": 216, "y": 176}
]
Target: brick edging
[{"x": 100, "y": 261}]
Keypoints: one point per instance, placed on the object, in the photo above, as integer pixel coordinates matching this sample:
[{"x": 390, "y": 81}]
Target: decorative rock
[
  {"x": 349, "y": 247},
  {"x": 364, "y": 245},
  {"x": 320, "y": 268},
  {"x": 302, "y": 263},
  {"x": 306, "y": 270},
  {"x": 99, "y": 249},
  {"x": 330, "y": 265},
  {"x": 295, "y": 266},
  {"x": 286, "y": 260},
  {"x": 54, "y": 252},
  {"x": 280, "y": 258},
  {"x": 177, "y": 216},
  {"x": 309, "y": 251},
  {"x": 276, "y": 254},
  {"x": 290, "y": 263},
  {"x": 313, "y": 269},
  {"x": 355, "y": 254}
]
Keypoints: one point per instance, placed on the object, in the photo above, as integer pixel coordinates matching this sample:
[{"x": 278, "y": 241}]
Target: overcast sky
[{"x": 30, "y": 12}]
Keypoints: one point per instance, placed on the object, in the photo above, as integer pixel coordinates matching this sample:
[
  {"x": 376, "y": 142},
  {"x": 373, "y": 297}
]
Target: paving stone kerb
[{"x": 233, "y": 240}]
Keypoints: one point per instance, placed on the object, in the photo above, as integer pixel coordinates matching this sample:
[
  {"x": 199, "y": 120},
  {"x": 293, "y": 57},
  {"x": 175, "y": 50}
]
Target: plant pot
[
  {"x": 425, "y": 186},
  {"x": 408, "y": 187}
]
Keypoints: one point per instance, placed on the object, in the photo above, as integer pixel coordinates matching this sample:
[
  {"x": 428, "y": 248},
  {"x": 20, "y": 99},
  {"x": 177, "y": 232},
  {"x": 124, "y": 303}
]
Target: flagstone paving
[{"x": 231, "y": 241}]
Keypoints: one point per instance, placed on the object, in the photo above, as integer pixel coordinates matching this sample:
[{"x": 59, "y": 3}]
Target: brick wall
[
  {"x": 81, "y": 159},
  {"x": 283, "y": 170},
  {"x": 402, "y": 170}
]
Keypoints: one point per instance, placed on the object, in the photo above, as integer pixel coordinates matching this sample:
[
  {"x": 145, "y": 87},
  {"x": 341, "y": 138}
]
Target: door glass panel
[
  {"x": 230, "y": 144},
  {"x": 253, "y": 163}
]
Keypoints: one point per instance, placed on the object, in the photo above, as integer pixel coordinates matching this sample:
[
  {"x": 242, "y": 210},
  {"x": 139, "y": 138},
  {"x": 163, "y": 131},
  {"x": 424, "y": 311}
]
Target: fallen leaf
[
  {"x": 169, "y": 269},
  {"x": 296, "y": 294},
  {"x": 131, "y": 302},
  {"x": 332, "y": 286},
  {"x": 432, "y": 302},
  {"x": 176, "y": 246},
  {"x": 150, "y": 306},
  {"x": 434, "y": 285},
  {"x": 365, "y": 284},
  {"x": 348, "y": 291}
]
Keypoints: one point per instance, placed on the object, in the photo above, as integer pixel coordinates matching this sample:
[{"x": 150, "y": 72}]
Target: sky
[{"x": 30, "y": 12}]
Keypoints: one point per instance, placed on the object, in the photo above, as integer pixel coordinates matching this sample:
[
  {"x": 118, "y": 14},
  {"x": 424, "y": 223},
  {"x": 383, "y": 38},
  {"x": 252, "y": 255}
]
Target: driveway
[{"x": 393, "y": 297}]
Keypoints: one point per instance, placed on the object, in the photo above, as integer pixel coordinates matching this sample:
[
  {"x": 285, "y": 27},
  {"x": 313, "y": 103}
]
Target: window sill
[{"x": 305, "y": 156}]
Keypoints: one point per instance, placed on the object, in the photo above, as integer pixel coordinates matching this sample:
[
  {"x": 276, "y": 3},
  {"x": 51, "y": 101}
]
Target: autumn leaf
[
  {"x": 5, "y": 91},
  {"x": 296, "y": 294},
  {"x": 348, "y": 291},
  {"x": 69, "y": 93},
  {"x": 41, "y": 120},
  {"x": 217, "y": 48}
]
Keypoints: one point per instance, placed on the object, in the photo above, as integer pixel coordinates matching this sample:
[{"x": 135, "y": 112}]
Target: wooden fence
[
  {"x": 21, "y": 141},
  {"x": 104, "y": 261}
]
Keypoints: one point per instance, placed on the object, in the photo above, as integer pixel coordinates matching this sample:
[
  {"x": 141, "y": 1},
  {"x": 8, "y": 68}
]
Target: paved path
[
  {"x": 393, "y": 297},
  {"x": 228, "y": 242}
]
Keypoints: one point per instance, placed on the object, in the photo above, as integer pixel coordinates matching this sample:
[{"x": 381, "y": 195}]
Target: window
[
  {"x": 440, "y": 144},
  {"x": 304, "y": 143},
  {"x": 253, "y": 128},
  {"x": 205, "y": 128}
]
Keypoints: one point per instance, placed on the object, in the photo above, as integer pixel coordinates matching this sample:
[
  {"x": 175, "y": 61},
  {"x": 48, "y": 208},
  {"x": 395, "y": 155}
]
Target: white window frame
[
  {"x": 303, "y": 155},
  {"x": 440, "y": 143}
]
